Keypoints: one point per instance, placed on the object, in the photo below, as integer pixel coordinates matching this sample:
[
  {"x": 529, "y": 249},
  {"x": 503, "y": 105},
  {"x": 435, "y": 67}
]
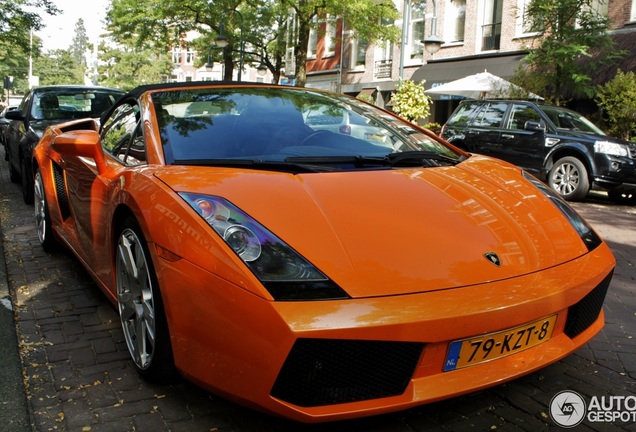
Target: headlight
[
  {"x": 282, "y": 270},
  {"x": 587, "y": 234},
  {"x": 610, "y": 148}
]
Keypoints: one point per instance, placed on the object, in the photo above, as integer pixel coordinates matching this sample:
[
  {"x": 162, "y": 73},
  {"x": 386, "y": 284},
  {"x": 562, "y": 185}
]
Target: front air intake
[
  {"x": 583, "y": 314},
  {"x": 326, "y": 372}
]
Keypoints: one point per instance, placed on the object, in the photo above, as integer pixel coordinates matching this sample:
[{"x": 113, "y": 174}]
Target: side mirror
[
  {"x": 15, "y": 114},
  {"x": 534, "y": 126},
  {"x": 81, "y": 143}
]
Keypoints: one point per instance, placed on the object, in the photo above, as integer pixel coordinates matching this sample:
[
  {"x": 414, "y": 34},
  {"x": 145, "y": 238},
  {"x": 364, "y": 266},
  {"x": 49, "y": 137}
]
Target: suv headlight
[
  {"x": 611, "y": 148},
  {"x": 281, "y": 270},
  {"x": 585, "y": 231}
]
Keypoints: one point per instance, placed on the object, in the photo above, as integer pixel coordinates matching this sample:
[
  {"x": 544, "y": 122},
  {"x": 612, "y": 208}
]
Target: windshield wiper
[
  {"x": 421, "y": 158},
  {"x": 404, "y": 159},
  {"x": 284, "y": 166}
]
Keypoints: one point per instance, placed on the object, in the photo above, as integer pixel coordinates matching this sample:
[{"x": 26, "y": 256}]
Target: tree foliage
[
  {"x": 410, "y": 101},
  {"x": 127, "y": 68},
  {"x": 79, "y": 45},
  {"x": 19, "y": 17},
  {"x": 262, "y": 25},
  {"x": 58, "y": 67},
  {"x": 617, "y": 98},
  {"x": 572, "y": 41}
]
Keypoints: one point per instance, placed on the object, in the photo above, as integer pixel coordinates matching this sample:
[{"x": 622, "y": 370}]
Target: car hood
[
  {"x": 387, "y": 232},
  {"x": 561, "y": 133}
]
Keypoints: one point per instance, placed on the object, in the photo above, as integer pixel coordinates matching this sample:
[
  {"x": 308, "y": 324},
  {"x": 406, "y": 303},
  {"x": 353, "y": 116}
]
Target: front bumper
[
  {"x": 615, "y": 172},
  {"x": 331, "y": 360}
]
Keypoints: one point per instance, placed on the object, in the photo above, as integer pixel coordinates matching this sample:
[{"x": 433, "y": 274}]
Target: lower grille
[
  {"x": 583, "y": 314},
  {"x": 326, "y": 372}
]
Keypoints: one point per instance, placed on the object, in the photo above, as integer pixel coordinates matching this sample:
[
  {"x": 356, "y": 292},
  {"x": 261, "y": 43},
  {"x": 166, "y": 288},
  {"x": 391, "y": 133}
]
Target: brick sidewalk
[{"x": 79, "y": 376}]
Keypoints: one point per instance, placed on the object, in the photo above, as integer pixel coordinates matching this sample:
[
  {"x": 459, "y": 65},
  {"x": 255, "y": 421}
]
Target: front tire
[
  {"x": 568, "y": 178},
  {"x": 140, "y": 307},
  {"x": 42, "y": 216}
]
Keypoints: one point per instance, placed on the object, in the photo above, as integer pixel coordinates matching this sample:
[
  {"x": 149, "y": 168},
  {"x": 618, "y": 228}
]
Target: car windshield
[
  {"x": 261, "y": 125},
  {"x": 71, "y": 104},
  {"x": 570, "y": 120}
]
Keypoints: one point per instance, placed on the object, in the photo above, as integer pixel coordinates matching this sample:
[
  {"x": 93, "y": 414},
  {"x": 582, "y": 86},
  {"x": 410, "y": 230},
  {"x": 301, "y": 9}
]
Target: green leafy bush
[
  {"x": 617, "y": 98},
  {"x": 410, "y": 101}
]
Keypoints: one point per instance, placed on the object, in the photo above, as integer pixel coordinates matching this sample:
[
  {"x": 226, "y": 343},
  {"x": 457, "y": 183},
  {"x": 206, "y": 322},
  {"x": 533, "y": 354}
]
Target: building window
[
  {"x": 313, "y": 39},
  {"x": 491, "y": 27},
  {"x": 632, "y": 16},
  {"x": 189, "y": 57},
  {"x": 176, "y": 55},
  {"x": 524, "y": 24},
  {"x": 330, "y": 39},
  {"x": 358, "y": 54},
  {"x": 456, "y": 21},
  {"x": 416, "y": 29}
]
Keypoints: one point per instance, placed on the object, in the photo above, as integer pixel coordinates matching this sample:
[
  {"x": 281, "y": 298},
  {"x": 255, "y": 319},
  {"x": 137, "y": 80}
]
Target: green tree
[
  {"x": 127, "y": 68},
  {"x": 264, "y": 25},
  {"x": 19, "y": 17},
  {"x": 79, "y": 45},
  {"x": 410, "y": 101},
  {"x": 572, "y": 41},
  {"x": 617, "y": 98},
  {"x": 58, "y": 67}
]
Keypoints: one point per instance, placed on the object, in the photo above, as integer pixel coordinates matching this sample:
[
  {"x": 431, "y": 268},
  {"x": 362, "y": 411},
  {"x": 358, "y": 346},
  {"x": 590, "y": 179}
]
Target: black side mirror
[
  {"x": 534, "y": 126},
  {"x": 15, "y": 114}
]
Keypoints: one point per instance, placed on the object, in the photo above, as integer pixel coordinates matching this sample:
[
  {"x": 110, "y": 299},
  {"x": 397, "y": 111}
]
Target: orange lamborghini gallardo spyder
[{"x": 254, "y": 246}]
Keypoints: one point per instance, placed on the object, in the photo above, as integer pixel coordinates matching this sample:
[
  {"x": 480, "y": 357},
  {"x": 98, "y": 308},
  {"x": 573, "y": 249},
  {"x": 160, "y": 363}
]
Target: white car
[{"x": 345, "y": 122}]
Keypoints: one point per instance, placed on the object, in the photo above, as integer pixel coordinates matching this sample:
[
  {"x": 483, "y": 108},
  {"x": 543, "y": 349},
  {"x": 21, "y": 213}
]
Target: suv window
[
  {"x": 463, "y": 113},
  {"x": 491, "y": 115},
  {"x": 520, "y": 114}
]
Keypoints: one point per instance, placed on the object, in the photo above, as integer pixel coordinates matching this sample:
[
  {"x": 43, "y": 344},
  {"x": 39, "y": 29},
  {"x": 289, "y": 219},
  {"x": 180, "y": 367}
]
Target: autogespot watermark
[{"x": 569, "y": 409}]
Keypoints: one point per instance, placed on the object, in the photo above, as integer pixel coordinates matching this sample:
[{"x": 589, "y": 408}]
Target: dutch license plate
[{"x": 481, "y": 349}]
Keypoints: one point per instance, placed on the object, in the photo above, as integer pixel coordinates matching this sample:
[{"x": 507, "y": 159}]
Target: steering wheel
[{"x": 315, "y": 134}]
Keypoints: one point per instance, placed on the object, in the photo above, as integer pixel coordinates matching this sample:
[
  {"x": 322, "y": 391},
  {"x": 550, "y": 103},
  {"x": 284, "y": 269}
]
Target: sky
[{"x": 60, "y": 29}]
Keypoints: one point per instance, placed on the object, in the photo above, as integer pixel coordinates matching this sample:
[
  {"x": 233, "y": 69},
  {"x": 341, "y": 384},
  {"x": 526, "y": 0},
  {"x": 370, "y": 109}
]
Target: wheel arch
[{"x": 571, "y": 151}]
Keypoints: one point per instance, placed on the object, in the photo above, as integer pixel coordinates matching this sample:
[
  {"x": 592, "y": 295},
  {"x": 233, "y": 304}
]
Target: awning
[
  {"x": 367, "y": 91},
  {"x": 437, "y": 72}
]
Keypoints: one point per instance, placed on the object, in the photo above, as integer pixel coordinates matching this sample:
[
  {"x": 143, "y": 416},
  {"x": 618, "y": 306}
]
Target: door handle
[{"x": 507, "y": 136}]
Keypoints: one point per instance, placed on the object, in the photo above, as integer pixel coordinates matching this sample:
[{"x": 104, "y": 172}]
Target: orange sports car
[{"x": 257, "y": 247}]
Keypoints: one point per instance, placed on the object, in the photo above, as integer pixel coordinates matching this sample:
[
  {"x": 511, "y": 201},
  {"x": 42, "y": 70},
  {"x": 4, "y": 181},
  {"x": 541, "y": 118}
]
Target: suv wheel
[
  {"x": 568, "y": 177},
  {"x": 625, "y": 198}
]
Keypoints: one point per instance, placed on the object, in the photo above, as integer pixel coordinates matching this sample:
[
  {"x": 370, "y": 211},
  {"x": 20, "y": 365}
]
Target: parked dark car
[
  {"x": 40, "y": 108},
  {"x": 4, "y": 124},
  {"x": 558, "y": 145}
]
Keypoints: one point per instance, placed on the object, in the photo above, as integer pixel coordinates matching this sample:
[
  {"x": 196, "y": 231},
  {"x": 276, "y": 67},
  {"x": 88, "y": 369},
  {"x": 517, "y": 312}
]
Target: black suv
[
  {"x": 558, "y": 145},
  {"x": 40, "y": 108}
]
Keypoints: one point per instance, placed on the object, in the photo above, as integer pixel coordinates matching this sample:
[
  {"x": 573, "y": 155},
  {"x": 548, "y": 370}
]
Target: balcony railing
[
  {"x": 383, "y": 69},
  {"x": 491, "y": 36}
]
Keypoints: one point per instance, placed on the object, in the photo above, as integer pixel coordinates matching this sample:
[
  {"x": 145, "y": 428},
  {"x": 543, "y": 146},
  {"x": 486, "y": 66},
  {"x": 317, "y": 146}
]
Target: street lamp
[
  {"x": 209, "y": 64},
  {"x": 432, "y": 44},
  {"x": 221, "y": 41},
  {"x": 261, "y": 69}
]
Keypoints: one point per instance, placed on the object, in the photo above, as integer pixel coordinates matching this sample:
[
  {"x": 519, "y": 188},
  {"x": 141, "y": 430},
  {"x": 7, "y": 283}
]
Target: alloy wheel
[{"x": 135, "y": 298}]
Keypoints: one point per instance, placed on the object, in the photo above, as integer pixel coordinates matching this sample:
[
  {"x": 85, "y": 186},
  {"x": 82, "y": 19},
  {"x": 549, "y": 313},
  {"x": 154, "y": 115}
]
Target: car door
[
  {"x": 522, "y": 138},
  {"x": 90, "y": 194},
  {"x": 16, "y": 132},
  {"x": 483, "y": 132}
]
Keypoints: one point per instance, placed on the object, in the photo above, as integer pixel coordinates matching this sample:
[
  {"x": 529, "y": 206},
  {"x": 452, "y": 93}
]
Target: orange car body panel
[{"x": 419, "y": 279}]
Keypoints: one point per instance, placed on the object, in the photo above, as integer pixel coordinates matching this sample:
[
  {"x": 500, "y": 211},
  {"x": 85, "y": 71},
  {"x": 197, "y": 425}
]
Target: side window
[
  {"x": 122, "y": 136},
  {"x": 491, "y": 115},
  {"x": 519, "y": 115},
  {"x": 463, "y": 114}
]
